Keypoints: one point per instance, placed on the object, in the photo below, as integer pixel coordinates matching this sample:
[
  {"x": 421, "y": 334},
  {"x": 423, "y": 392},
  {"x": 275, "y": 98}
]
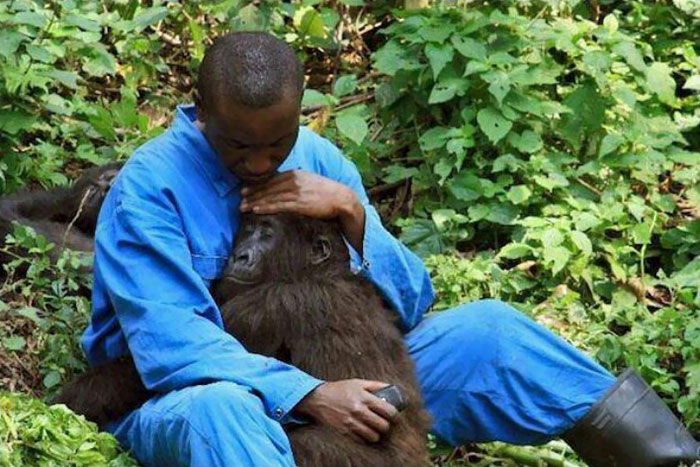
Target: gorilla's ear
[{"x": 321, "y": 250}]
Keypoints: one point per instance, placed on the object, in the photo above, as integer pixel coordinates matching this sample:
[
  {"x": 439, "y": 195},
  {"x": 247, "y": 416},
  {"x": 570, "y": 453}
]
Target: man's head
[{"x": 248, "y": 97}]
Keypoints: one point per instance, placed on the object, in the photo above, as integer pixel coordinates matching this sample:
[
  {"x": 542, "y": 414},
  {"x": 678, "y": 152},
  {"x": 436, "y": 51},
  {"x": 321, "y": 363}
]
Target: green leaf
[
  {"x": 514, "y": 251},
  {"x": 551, "y": 237},
  {"x": 353, "y": 2},
  {"x": 52, "y": 378},
  {"x": 148, "y": 17},
  {"x": 438, "y": 56},
  {"x": 469, "y": 48},
  {"x": 100, "y": 62},
  {"x": 582, "y": 242},
  {"x": 14, "y": 121},
  {"x": 9, "y": 42},
  {"x": 313, "y": 98},
  {"x": 557, "y": 257},
  {"x": 528, "y": 142},
  {"x": 611, "y": 24},
  {"x": 445, "y": 89},
  {"x": 352, "y": 126},
  {"x": 610, "y": 143},
  {"x": 466, "y": 186},
  {"x": 494, "y": 125},
  {"x": 435, "y": 137},
  {"x": 660, "y": 82},
  {"x": 83, "y": 22},
  {"x": 518, "y": 194},
  {"x": 13, "y": 343},
  {"x": 586, "y": 116},
  {"x": 500, "y": 84},
  {"x": 392, "y": 57},
  {"x": 631, "y": 54},
  {"x": 40, "y": 54},
  {"x": 396, "y": 173},
  {"x": 345, "y": 85},
  {"x": 693, "y": 83},
  {"x": 502, "y": 213},
  {"x": 309, "y": 22},
  {"x": 30, "y": 18}
]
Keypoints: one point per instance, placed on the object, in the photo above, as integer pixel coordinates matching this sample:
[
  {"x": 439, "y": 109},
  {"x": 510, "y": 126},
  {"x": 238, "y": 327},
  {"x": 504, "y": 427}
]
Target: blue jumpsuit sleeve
[
  {"x": 171, "y": 322},
  {"x": 395, "y": 270}
]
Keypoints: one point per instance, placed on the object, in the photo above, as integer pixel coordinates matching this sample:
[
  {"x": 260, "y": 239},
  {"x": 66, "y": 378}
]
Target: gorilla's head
[{"x": 285, "y": 248}]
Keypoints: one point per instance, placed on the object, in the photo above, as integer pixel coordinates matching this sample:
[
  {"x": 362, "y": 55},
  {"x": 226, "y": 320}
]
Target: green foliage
[
  {"x": 32, "y": 433},
  {"x": 43, "y": 309}
]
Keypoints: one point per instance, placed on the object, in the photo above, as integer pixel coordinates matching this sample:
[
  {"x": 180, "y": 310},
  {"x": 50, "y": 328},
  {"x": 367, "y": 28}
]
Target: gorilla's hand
[
  {"x": 350, "y": 408},
  {"x": 308, "y": 194}
]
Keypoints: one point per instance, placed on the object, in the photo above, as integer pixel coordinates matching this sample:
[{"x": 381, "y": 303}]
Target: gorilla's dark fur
[
  {"x": 65, "y": 216},
  {"x": 288, "y": 293}
]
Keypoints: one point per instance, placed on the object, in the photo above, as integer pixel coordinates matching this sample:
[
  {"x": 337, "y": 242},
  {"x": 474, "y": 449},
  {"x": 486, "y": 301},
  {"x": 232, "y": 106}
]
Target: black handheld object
[{"x": 392, "y": 394}]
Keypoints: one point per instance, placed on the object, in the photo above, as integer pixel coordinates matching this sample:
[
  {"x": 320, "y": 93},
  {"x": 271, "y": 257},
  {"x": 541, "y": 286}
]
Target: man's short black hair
[{"x": 254, "y": 69}]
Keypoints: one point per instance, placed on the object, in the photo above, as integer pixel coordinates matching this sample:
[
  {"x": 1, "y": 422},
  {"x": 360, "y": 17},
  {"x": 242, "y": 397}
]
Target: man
[{"x": 166, "y": 230}]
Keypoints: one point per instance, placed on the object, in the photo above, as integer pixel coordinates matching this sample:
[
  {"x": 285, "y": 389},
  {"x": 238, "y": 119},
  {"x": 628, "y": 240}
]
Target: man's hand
[
  {"x": 350, "y": 408},
  {"x": 308, "y": 194}
]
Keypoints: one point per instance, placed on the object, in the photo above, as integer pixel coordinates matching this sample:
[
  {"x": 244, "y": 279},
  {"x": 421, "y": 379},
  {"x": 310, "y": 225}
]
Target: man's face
[{"x": 253, "y": 143}]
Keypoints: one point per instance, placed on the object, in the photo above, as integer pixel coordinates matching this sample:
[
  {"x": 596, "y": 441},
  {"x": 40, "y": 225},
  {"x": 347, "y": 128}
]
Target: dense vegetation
[{"x": 543, "y": 152}]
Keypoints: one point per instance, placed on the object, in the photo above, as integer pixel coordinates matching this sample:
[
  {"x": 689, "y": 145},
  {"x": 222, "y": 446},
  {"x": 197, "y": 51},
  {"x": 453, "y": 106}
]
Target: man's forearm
[{"x": 352, "y": 220}]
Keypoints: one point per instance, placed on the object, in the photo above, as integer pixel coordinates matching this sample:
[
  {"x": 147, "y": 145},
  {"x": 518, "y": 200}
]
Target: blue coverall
[{"x": 164, "y": 234}]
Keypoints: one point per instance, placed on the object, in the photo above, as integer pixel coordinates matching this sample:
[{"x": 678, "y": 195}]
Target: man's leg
[
  {"x": 218, "y": 424},
  {"x": 487, "y": 372}
]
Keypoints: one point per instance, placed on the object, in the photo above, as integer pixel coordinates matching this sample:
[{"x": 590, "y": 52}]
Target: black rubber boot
[{"x": 632, "y": 427}]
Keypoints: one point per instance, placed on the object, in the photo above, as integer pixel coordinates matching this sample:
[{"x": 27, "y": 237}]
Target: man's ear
[{"x": 321, "y": 250}]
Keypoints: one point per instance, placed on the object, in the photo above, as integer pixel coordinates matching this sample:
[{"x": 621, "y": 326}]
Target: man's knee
[{"x": 487, "y": 321}]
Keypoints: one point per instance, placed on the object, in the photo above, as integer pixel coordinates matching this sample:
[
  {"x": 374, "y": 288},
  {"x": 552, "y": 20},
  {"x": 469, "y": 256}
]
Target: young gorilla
[
  {"x": 287, "y": 293},
  {"x": 51, "y": 212}
]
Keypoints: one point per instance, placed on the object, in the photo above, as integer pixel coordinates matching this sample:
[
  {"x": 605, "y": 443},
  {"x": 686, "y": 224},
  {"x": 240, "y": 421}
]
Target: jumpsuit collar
[{"x": 184, "y": 128}]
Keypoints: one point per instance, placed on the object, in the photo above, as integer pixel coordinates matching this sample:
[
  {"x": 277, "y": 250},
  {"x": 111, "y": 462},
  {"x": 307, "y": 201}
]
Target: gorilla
[
  {"x": 67, "y": 217},
  {"x": 287, "y": 292}
]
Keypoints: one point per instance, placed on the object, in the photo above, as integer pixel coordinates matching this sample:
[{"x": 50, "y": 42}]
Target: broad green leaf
[
  {"x": 13, "y": 343},
  {"x": 433, "y": 33},
  {"x": 611, "y": 24},
  {"x": 438, "y": 56},
  {"x": 345, "y": 85},
  {"x": 436, "y": 137},
  {"x": 494, "y": 125},
  {"x": 30, "y": 18},
  {"x": 582, "y": 242},
  {"x": 40, "y": 54},
  {"x": 660, "y": 82},
  {"x": 396, "y": 173},
  {"x": 586, "y": 116},
  {"x": 313, "y": 98},
  {"x": 83, "y": 22},
  {"x": 100, "y": 62},
  {"x": 14, "y": 121},
  {"x": 557, "y": 257},
  {"x": 610, "y": 143},
  {"x": 147, "y": 17},
  {"x": 469, "y": 48},
  {"x": 52, "y": 378},
  {"x": 478, "y": 212},
  {"x": 551, "y": 237},
  {"x": 514, "y": 251},
  {"x": 352, "y": 126},
  {"x": 631, "y": 54},
  {"x": 67, "y": 78},
  {"x": 502, "y": 213},
  {"x": 353, "y": 2},
  {"x": 693, "y": 83},
  {"x": 9, "y": 42},
  {"x": 423, "y": 237},
  {"x": 466, "y": 186},
  {"x": 444, "y": 90},
  {"x": 309, "y": 22},
  {"x": 499, "y": 84},
  {"x": 518, "y": 194},
  {"x": 528, "y": 142},
  {"x": 392, "y": 57}
]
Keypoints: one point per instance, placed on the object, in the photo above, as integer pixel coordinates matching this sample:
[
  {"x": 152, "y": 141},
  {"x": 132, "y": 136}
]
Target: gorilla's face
[{"x": 281, "y": 248}]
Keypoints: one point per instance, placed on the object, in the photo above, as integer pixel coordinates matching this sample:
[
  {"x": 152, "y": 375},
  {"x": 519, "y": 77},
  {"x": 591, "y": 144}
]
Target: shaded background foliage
[{"x": 541, "y": 152}]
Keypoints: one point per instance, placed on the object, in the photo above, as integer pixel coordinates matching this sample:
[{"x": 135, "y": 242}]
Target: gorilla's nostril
[{"x": 243, "y": 257}]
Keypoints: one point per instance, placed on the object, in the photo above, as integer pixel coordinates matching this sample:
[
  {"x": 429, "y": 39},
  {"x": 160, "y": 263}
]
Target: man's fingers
[
  {"x": 268, "y": 192},
  {"x": 379, "y": 406},
  {"x": 371, "y": 386},
  {"x": 275, "y": 207},
  {"x": 377, "y": 422},
  {"x": 281, "y": 177},
  {"x": 365, "y": 432}
]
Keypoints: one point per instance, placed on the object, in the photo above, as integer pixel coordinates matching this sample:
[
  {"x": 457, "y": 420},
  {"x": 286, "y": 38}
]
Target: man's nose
[{"x": 260, "y": 164}]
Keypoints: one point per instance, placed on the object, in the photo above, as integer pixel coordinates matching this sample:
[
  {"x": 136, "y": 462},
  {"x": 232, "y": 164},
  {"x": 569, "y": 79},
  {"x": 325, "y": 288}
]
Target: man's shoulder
[{"x": 319, "y": 154}]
